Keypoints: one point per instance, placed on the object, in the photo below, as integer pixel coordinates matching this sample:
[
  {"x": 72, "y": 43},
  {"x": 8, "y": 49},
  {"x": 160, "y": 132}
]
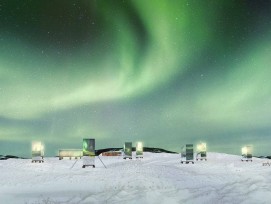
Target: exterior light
[
  {"x": 201, "y": 151},
  {"x": 139, "y": 150},
  {"x": 246, "y": 153},
  {"x": 37, "y": 152},
  {"x": 201, "y": 147},
  {"x": 244, "y": 150},
  {"x": 37, "y": 146}
]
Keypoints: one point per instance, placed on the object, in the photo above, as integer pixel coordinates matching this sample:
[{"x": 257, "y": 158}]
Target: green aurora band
[{"x": 165, "y": 73}]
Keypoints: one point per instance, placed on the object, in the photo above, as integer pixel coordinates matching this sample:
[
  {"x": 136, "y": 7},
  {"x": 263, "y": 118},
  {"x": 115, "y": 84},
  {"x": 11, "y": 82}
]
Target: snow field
[{"x": 157, "y": 178}]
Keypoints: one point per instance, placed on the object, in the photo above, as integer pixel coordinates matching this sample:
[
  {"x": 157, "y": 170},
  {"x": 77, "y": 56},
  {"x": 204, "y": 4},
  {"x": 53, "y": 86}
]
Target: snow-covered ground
[{"x": 158, "y": 178}]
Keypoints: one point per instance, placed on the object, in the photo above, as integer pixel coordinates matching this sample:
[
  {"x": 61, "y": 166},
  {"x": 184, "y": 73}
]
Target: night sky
[{"x": 162, "y": 72}]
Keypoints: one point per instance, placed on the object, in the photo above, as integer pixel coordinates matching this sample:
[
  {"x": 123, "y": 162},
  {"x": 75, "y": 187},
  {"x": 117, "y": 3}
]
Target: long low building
[
  {"x": 70, "y": 153},
  {"x": 111, "y": 153}
]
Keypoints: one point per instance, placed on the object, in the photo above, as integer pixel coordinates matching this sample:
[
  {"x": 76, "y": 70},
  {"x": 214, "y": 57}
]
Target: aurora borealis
[{"x": 162, "y": 72}]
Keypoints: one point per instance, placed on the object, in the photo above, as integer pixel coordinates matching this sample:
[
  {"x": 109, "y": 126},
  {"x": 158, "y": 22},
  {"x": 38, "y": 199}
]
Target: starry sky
[{"x": 162, "y": 72}]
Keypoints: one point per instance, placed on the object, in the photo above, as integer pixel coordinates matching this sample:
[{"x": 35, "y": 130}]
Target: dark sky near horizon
[{"x": 162, "y": 72}]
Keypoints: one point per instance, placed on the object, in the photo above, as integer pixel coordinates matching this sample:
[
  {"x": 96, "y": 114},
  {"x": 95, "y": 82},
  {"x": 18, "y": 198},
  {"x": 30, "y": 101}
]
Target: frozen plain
[{"x": 158, "y": 178}]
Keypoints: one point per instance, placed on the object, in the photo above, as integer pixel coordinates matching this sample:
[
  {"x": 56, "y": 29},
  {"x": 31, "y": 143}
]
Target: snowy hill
[{"x": 158, "y": 178}]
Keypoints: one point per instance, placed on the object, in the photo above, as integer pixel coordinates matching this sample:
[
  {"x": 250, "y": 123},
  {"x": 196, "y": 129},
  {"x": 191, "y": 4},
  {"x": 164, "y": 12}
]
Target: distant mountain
[
  {"x": 145, "y": 149},
  {"x": 264, "y": 157},
  {"x": 5, "y": 157},
  {"x": 2, "y": 157}
]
